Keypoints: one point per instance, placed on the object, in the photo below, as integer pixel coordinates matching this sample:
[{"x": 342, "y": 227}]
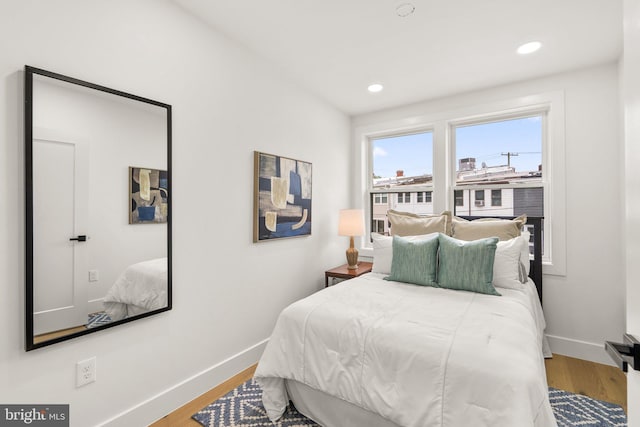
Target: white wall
[
  {"x": 227, "y": 290},
  {"x": 630, "y": 90},
  {"x": 585, "y": 307}
]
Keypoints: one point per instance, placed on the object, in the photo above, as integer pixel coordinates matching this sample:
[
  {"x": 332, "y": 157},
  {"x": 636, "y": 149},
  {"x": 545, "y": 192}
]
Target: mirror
[{"x": 98, "y": 204}]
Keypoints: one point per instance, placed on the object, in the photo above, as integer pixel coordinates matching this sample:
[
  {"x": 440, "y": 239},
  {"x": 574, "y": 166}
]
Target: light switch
[{"x": 93, "y": 275}]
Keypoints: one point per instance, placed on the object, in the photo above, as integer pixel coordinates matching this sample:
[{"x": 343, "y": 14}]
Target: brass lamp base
[{"x": 352, "y": 256}]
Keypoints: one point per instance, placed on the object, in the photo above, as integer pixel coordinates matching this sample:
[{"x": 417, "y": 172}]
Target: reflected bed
[{"x": 140, "y": 288}]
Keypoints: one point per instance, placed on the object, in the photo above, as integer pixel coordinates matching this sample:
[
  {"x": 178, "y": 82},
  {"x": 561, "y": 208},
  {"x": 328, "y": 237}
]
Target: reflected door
[{"x": 60, "y": 202}]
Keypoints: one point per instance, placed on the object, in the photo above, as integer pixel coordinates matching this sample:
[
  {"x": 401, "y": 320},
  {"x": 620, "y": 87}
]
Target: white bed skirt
[{"x": 330, "y": 411}]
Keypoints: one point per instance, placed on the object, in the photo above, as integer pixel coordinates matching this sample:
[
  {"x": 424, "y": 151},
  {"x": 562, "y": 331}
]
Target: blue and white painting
[
  {"x": 149, "y": 195},
  {"x": 282, "y": 193}
]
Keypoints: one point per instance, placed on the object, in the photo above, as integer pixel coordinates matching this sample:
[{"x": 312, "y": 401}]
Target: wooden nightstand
[{"x": 343, "y": 272}]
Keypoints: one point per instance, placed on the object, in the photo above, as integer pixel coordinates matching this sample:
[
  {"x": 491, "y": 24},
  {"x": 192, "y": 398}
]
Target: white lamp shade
[{"x": 351, "y": 222}]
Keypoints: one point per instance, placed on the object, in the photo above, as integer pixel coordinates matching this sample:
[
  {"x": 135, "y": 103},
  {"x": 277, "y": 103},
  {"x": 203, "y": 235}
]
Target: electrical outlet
[
  {"x": 94, "y": 275},
  {"x": 85, "y": 372}
]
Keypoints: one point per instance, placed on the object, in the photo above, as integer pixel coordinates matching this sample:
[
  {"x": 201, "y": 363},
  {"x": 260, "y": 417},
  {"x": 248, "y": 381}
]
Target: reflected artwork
[{"x": 149, "y": 195}]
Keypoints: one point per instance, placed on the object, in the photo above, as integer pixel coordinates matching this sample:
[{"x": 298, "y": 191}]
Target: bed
[
  {"x": 377, "y": 352},
  {"x": 140, "y": 288}
]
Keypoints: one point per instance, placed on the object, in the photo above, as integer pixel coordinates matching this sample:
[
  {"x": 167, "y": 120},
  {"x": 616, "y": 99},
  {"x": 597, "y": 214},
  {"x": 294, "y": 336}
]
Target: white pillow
[
  {"x": 383, "y": 250},
  {"x": 506, "y": 265}
]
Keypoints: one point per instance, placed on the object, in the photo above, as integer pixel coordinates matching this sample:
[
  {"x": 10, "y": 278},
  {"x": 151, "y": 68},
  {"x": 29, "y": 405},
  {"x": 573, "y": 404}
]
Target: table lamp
[{"x": 351, "y": 224}]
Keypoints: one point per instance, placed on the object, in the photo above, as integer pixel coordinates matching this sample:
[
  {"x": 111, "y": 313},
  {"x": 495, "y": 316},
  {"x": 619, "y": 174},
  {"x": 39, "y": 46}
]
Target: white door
[
  {"x": 60, "y": 208},
  {"x": 631, "y": 102}
]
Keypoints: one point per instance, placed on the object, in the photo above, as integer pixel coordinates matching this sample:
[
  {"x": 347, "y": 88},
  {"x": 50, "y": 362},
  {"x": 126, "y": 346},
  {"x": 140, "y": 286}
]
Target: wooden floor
[
  {"x": 51, "y": 335},
  {"x": 598, "y": 381},
  {"x": 602, "y": 382},
  {"x": 182, "y": 416}
]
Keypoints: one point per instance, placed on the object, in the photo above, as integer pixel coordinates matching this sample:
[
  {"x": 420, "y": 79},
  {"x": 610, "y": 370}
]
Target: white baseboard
[
  {"x": 579, "y": 349},
  {"x": 174, "y": 397}
]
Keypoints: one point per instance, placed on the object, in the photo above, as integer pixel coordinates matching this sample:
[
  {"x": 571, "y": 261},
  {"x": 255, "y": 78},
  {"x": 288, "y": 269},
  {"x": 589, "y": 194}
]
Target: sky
[{"x": 486, "y": 142}]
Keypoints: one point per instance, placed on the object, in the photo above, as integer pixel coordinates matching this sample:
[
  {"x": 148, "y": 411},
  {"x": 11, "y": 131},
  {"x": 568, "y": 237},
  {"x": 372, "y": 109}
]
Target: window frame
[{"x": 432, "y": 117}]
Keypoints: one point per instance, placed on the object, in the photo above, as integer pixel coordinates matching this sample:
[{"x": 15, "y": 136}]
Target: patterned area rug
[
  {"x": 242, "y": 407},
  {"x": 577, "y": 410},
  {"x": 98, "y": 319}
]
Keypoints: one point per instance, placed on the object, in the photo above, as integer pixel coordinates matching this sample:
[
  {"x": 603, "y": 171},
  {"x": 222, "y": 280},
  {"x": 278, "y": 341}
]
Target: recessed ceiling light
[
  {"x": 529, "y": 48},
  {"x": 375, "y": 87},
  {"x": 405, "y": 9}
]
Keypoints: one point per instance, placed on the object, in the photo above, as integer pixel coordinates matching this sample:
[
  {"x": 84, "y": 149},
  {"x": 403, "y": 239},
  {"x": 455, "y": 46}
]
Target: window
[
  {"x": 496, "y": 197},
  {"x": 402, "y": 165},
  {"x": 505, "y": 157},
  {"x": 402, "y": 160},
  {"x": 531, "y": 239},
  {"x": 500, "y": 149},
  {"x": 378, "y": 226},
  {"x": 424, "y": 197},
  {"x": 380, "y": 198},
  {"x": 404, "y": 197}
]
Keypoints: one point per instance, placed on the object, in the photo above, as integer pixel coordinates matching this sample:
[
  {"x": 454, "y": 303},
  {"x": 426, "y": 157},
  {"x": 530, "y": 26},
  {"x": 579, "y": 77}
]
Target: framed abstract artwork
[
  {"x": 282, "y": 197},
  {"x": 148, "y": 194}
]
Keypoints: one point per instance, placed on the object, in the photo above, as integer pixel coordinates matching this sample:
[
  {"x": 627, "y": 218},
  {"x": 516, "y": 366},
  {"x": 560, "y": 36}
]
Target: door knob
[{"x": 79, "y": 238}]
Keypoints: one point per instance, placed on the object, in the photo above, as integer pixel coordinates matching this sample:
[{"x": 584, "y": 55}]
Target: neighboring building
[{"x": 491, "y": 201}]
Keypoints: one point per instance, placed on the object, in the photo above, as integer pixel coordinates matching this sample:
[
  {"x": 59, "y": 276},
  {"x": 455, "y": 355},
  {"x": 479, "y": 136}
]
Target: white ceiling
[{"x": 336, "y": 48}]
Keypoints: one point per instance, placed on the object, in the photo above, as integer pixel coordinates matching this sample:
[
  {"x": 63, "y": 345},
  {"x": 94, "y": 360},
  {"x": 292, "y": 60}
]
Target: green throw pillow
[
  {"x": 414, "y": 261},
  {"x": 467, "y": 266}
]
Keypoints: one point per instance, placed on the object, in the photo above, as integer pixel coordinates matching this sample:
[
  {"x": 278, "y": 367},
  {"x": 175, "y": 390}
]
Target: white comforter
[
  {"x": 417, "y": 356},
  {"x": 140, "y": 288}
]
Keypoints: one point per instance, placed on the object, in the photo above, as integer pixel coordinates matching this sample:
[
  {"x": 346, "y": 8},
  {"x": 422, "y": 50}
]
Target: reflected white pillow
[{"x": 383, "y": 251}]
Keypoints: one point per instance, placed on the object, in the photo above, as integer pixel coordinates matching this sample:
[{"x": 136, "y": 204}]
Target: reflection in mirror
[{"x": 98, "y": 233}]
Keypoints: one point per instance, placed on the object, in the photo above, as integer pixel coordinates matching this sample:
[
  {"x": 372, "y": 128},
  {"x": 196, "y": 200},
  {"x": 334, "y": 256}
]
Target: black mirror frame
[{"x": 28, "y": 179}]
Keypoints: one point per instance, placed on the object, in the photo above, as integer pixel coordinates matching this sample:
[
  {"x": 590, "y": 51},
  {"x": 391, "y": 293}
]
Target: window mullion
[{"x": 441, "y": 169}]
